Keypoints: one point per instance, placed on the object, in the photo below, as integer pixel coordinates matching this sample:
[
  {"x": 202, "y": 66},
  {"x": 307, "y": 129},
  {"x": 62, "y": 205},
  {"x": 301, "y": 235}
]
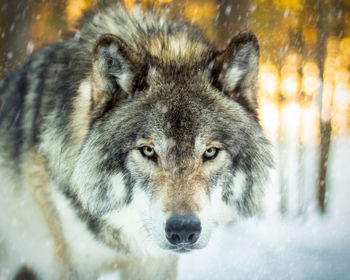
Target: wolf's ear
[
  {"x": 115, "y": 67},
  {"x": 235, "y": 70}
]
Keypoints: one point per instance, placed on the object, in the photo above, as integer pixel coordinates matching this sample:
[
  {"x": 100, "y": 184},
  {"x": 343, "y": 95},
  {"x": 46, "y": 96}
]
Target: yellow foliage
[
  {"x": 129, "y": 4},
  {"x": 75, "y": 9},
  {"x": 295, "y": 5},
  {"x": 193, "y": 11},
  {"x": 310, "y": 34}
]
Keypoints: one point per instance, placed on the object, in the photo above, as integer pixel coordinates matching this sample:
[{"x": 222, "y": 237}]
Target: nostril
[
  {"x": 183, "y": 229},
  {"x": 175, "y": 238},
  {"x": 192, "y": 238}
]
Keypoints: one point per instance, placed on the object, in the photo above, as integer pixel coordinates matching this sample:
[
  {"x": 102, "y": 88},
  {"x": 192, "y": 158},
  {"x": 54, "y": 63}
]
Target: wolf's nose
[{"x": 183, "y": 229}]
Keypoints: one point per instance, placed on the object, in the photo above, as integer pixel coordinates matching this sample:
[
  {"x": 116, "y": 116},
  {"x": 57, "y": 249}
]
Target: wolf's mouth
[{"x": 182, "y": 248}]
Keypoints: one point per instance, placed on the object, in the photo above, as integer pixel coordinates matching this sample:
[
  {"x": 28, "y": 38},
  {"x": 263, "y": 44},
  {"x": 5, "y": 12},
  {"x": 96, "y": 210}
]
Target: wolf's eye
[
  {"x": 210, "y": 153},
  {"x": 148, "y": 152}
]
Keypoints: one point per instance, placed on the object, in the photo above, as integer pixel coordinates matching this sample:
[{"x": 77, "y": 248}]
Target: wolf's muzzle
[{"x": 183, "y": 230}]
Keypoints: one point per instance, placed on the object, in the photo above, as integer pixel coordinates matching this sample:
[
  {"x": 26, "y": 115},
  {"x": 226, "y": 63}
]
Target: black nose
[{"x": 183, "y": 229}]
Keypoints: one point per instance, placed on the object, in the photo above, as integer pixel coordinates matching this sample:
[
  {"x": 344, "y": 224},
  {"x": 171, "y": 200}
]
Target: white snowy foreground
[
  {"x": 273, "y": 250},
  {"x": 310, "y": 247}
]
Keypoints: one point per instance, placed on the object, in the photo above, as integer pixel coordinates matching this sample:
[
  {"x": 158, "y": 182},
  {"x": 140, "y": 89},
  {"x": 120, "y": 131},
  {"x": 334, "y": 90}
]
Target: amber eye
[
  {"x": 210, "y": 153},
  {"x": 148, "y": 152}
]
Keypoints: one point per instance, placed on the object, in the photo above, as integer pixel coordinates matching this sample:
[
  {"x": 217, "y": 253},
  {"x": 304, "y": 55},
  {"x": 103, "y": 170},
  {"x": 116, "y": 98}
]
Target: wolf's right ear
[{"x": 115, "y": 67}]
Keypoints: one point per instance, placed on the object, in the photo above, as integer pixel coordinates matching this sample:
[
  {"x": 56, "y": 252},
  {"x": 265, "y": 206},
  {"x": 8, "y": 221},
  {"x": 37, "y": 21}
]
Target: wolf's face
[{"x": 185, "y": 150}]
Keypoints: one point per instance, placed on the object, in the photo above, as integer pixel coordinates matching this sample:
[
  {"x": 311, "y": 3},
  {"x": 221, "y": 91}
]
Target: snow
[{"x": 271, "y": 247}]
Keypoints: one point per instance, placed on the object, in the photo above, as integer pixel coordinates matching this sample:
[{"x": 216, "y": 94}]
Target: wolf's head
[{"x": 173, "y": 136}]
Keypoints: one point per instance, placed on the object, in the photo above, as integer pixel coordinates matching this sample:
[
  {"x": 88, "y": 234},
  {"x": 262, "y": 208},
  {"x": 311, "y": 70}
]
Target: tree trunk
[
  {"x": 329, "y": 24},
  {"x": 326, "y": 132}
]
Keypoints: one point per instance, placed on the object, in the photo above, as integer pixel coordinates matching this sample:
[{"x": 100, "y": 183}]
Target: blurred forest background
[{"x": 304, "y": 85}]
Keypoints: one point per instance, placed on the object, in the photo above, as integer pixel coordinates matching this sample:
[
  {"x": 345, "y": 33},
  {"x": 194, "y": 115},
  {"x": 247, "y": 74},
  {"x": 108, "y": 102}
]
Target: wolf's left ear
[
  {"x": 115, "y": 66},
  {"x": 235, "y": 70}
]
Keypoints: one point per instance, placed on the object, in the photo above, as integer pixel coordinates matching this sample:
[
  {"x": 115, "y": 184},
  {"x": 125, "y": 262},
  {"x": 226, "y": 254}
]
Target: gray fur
[{"x": 150, "y": 79}]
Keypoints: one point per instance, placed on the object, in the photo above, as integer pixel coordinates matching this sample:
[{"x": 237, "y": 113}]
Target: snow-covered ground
[{"x": 307, "y": 247}]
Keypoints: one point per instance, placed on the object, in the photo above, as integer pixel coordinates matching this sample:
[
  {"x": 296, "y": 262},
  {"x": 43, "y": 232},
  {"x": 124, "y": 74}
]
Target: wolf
[{"x": 124, "y": 146}]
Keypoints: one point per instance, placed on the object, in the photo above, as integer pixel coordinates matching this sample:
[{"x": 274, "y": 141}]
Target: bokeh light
[{"x": 269, "y": 81}]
